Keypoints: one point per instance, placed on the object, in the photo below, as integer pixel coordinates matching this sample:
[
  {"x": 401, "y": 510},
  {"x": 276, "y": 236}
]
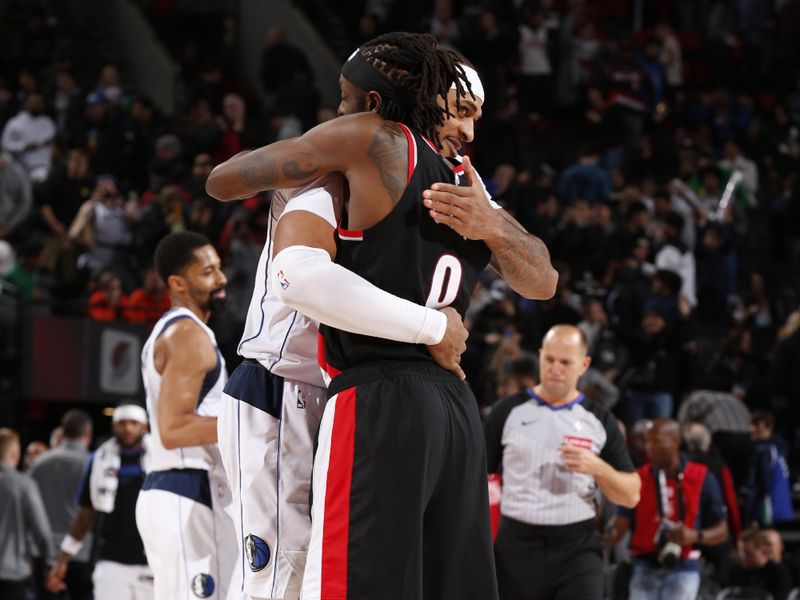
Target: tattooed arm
[
  {"x": 520, "y": 257},
  {"x": 295, "y": 162}
]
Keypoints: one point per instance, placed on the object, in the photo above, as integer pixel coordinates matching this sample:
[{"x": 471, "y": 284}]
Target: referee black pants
[{"x": 548, "y": 562}]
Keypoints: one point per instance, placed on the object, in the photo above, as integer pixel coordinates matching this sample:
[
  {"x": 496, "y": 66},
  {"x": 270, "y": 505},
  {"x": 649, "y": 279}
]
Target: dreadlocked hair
[{"x": 423, "y": 70}]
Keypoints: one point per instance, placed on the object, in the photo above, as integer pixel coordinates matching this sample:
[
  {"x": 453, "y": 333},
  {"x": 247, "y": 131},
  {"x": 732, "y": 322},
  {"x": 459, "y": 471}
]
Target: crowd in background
[{"x": 654, "y": 147}]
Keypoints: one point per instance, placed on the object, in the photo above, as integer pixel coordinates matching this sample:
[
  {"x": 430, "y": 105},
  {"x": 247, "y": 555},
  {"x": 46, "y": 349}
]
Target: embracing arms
[{"x": 520, "y": 257}]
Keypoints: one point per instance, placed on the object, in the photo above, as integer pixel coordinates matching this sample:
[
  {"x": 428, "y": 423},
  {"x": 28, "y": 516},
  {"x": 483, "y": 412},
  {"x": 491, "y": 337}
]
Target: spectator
[
  {"x": 654, "y": 370},
  {"x": 681, "y": 507},
  {"x": 755, "y": 569},
  {"x": 299, "y": 99},
  {"x": 103, "y": 227},
  {"x": 58, "y": 473},
  {"x": 676, "y": 257},
  {"x": 22, "y": 520},
  {"x": 734, "y": 160},
  {"x": 638, "y": 441},
  {"x": 777, "y": 554},
  {"x": 140, "y": 131},
  {"x": 163, "y": 215},
  {"x": 509, "y": 351},
  {"x": 585, "y": 179},
  {"x": 201, "y": 131},
  {"x": 61, "y": 195},
  {"x": 28, "y": 137},
  {"x": 600, "y": 388},
  {"x": 107, "y": 301},
  {"x": 101, "y": 136},
  {"x": 15, "y": 195},
  {"x": 33, "y": 451},
  {"x": 536, "y": 71},
  {"x": 443, "y": 26},
  {"x": 728, "y": 419},
  {"x": 769, "y": 495},
  {"x": 238, "y": 133},
  {"x": 650, "y": 63},
  {"x": 147, "y": 303},
  {"x": 8, "y": 105},
  {"x": 56, "y": 437},
  {"x": 167, "y": 166},
  {"x": 108, "y": 84},
  {"x": 67, "y": 103},
  {"x": 280, "y": 60},
  {"x": 201, "y": 169},
  {"x": 697, "y": 440},
  {"x": 671, "y": 55},
  {"x": 24, "y": 275},
  {"x": 552, "y": 467}
]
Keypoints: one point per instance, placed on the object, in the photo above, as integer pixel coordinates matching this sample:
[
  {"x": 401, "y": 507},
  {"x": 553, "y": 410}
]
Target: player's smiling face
[{"x": 459, "y": 128}]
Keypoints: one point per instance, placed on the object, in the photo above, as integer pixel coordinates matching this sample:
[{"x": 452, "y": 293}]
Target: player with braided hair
[
  {"x": 400, "y": 500},
  {"x": 422, "y": 71}
]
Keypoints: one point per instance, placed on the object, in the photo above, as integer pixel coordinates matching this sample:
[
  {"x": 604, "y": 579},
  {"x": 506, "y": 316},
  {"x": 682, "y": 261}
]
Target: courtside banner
[
  {"x": 73, "y": 359},
  {"x": 119, "y": 362},
  {"x": 114, "y": 369}
]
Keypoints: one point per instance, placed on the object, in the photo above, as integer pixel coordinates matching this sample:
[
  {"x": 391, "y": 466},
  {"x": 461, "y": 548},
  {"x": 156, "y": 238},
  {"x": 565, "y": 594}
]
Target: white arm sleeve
[{"x": 302, "y": 275}]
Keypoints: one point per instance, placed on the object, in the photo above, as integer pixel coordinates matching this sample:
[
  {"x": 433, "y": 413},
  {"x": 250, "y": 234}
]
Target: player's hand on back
[{"x": 447, "y": 353}]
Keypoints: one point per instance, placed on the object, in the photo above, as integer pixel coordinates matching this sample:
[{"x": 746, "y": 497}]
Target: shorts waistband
[
  {"x": 189, "y": 483},
  {"x": 252, "y": 383},
  {"x": 388, "y": 370},
  {"x": 547, "y": 532}
]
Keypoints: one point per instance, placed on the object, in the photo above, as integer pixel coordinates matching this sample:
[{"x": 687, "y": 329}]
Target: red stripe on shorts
[
  {"x": 336, "y": 523},
  {"x": 321, "y": 358}
]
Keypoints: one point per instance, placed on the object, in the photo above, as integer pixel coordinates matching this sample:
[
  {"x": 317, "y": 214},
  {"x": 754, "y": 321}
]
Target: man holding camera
[{"x": 681, "y": 506}]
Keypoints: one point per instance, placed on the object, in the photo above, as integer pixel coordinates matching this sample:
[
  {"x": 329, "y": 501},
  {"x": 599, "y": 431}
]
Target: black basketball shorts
[{"x": 400, "y": 502}]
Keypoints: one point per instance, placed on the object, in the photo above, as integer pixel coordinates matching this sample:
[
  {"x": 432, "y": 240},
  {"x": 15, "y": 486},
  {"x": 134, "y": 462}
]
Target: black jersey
[{"x": 407, "y": 254}]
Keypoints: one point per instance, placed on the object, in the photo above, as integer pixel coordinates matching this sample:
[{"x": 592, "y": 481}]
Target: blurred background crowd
[{"x": 653, "y": 145}]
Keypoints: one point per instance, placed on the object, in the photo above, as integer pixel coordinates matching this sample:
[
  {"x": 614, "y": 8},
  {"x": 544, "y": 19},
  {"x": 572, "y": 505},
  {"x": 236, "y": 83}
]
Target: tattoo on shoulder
[
  {"x": 389, "y": 155},
  {"x": 259, "y": 171},
  {"x": 302, "y": 167}
]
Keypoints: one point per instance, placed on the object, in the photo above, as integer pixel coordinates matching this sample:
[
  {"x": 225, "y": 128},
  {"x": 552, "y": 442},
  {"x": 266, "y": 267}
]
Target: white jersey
[
  {"x": 191, "y": 457},
  {"x": 281, "y": 339}
]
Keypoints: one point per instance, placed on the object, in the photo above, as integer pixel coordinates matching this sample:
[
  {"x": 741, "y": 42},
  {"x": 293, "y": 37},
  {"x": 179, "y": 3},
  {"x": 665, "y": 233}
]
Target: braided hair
[{"x": 423, "y": 70}]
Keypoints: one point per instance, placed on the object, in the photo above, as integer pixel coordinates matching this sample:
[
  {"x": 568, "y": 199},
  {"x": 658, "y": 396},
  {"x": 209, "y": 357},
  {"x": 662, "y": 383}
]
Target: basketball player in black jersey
[{"x": 400, "y": 496}]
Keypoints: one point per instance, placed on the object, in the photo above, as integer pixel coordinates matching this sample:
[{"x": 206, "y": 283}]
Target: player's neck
[{"x": 189, "y": 304}]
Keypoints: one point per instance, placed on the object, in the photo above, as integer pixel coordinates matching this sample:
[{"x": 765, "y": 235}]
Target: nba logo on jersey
[
  {"x": 202, "y": 585},
  {"x": 282, "y": 280},
  {"x": 301, "y": 400}
]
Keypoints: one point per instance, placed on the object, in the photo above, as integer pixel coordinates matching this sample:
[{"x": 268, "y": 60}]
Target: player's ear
[
  {"x": 374, "y": 101},
  {"x": 176, "y": 283}
]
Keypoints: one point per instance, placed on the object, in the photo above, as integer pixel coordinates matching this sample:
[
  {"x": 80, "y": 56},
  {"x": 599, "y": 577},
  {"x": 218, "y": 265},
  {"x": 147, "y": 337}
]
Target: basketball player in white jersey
[{"x": 188, "y": 536}]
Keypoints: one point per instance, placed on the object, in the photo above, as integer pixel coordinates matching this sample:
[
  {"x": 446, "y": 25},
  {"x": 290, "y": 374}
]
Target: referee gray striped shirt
[{"x": 523, "y": 433}]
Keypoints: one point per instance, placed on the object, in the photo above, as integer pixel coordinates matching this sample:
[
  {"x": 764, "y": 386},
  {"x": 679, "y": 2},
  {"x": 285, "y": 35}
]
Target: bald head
[
  {"x": 562, "y": 360},
  {"x": 568, "y": 335},
  {"x": 667, "y": 427},
  {"x": 663, "y": 443}
]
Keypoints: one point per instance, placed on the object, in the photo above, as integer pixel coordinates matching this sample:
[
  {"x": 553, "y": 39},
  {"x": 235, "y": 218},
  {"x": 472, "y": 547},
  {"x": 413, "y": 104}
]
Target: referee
[{"x": 554, "y": 448}]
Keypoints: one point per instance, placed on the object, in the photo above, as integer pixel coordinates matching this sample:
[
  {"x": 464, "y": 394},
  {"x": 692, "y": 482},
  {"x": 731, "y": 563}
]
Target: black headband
[{"x": 363, "y": 75}]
